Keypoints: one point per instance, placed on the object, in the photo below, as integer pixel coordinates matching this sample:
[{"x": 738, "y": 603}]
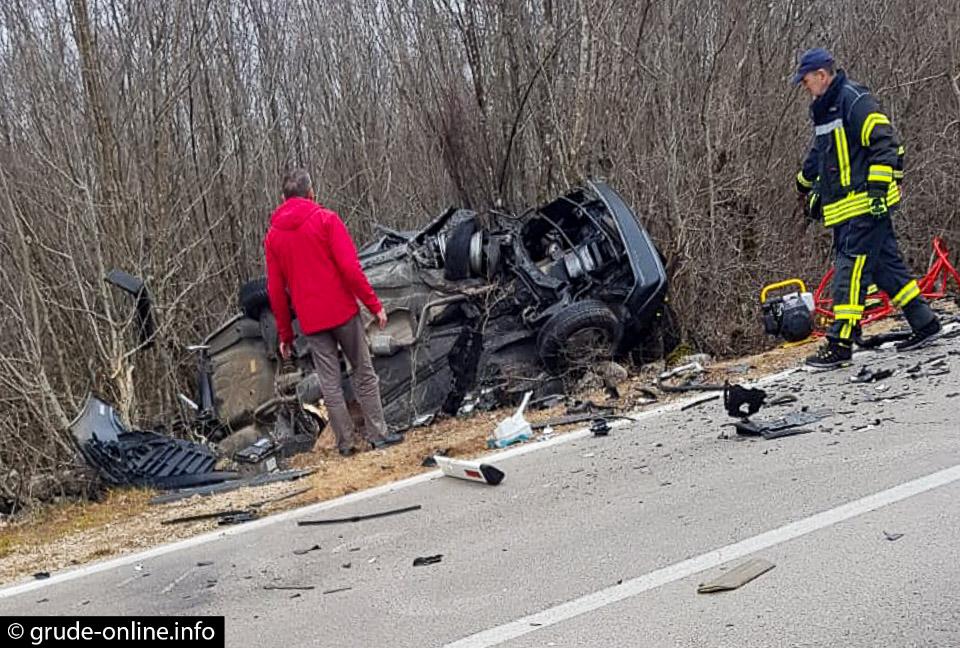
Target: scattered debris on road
[
  {"x": 337, "y": 590},
  {"x": 867, "y": 375},
  {"x": 892, "y": 537},
  {"x": 600, "y": 427},
  {"x": 303, "y": 588},
  {"x": 301, "y": 552},
  {"x": 359, "y": 518},
  {"x": 474, "y": 471},
  {"x": 427, "y": 560},
  {"x": 736, "y": 396},
  {"x": 788, "y": 425},
  {"x": 737, "y": 577}
]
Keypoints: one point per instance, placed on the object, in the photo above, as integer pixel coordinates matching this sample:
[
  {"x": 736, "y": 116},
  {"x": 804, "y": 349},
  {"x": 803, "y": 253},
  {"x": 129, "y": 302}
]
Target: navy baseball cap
[{"x": 812, "y": 60}]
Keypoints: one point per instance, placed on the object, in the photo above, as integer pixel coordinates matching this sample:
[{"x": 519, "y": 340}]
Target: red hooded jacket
[{"x": 310, "y": 255}]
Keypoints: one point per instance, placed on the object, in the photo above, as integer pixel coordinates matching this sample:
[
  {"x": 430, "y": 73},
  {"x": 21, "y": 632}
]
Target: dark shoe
[
  {"x": 347, "y": 452},
  {"x": 830, "y": 356},
  {"x": 386, "y": 440},
  {"x": 921, "y": 337}
]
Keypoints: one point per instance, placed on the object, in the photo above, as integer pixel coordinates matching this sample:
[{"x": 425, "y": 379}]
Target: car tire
[
  {"x": 254, "y": 298},
  {"x": 456, "y": 258},
  {"x": 588, "y": 317}
]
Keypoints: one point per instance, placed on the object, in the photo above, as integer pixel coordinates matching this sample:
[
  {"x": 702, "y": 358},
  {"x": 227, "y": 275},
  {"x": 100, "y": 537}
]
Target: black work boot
[
  {"x": 386, "y": 440},
  {"x": 831, "y": 356},
  {"x": 921, "y": 337}
]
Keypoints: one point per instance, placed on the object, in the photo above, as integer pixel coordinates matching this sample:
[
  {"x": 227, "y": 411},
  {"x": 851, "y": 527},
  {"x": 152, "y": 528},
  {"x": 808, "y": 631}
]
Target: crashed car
[{"x": 484, "y": 306}]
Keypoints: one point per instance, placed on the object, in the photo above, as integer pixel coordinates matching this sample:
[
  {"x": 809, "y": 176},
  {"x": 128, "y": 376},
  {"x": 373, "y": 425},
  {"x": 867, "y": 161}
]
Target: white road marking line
[
  {"x": 677, "y": 571},
  {"x": 177, "y": 580},
  {"x": 359, "y": 496}
]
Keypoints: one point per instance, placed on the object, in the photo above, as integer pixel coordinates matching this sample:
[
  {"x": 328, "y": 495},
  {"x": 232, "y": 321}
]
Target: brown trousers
[{"x": 366, "y": 385}]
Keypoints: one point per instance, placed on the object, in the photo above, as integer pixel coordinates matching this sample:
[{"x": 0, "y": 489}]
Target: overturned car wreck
[{"x": 481, "y": 308}]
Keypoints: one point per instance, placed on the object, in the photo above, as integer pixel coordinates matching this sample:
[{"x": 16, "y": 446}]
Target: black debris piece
[
  {"x": 201, "y": 516},
  {"x": 358, "y": 518},
  {"x": 301, "y": 552},
  {"x": 785, "y": 426},
  {"x": 204, "y": 563},
  {"x": 892, "y": 537},
  {"x": 137, "y": 458},
  {"x": 430, "y": 462},
  {"x": 237, "y": 518},
  {"x": 427, "y": 560},
  {"x": 783, "y": 399},
  {"x": 735, "y": 397},
  {"x": 600, "y": 427},
  {"x": 700, "y": 401},
  {"x": 339, "y": 589},
  {"x": 303, "y": 588},
  {"x": 867, "y": 375},
  {"x": 42, "y": 575},
  {"x": 146, "y": 325}
]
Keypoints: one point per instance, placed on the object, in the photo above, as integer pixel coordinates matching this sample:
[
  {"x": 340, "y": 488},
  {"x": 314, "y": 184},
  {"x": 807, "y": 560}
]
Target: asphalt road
[{"x": 603, "y": 541}]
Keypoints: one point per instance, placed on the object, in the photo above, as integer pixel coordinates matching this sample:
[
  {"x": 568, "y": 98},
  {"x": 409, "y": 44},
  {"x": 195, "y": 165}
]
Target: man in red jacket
[{"x": 311, "y": 257}]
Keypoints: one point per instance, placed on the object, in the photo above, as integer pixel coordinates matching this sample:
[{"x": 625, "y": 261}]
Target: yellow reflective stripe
[
  {"x": 846, "y": 331},
  {"x": 848, "y": 309},
  {"x": 897, "y": 175},
  {"x": 855, "y": 279},
  {"x": 880, "y": 173},
  {"x": 803, "y": 181},
  {"x": 906, "y": 294},
  {"x": 854, "y": 204},
  {"x": 843, "y": 155},
  {"x": 901, "y": 150},
  {"x": 872, "y": 121}
]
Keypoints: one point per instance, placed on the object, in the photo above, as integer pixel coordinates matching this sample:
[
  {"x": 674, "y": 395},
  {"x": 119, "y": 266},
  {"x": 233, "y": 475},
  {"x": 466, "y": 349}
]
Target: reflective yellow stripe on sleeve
[
  {"x": 872, "y": 121},
  {"x": 803, "y": 181},
  {"x": 880, "y": 173}
]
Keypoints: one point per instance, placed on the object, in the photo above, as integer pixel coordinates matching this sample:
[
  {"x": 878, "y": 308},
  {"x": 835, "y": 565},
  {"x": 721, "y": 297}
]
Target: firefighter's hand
[
  {"x": 382, "y": 318},
  {"x": 812, "y": 208},
  {"x": 286, "y": 350},
  {"x": 878, "y": 200}
]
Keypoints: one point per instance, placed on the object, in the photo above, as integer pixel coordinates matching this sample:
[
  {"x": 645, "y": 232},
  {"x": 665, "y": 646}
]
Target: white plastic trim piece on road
[
  {"x": 678, "y": 571},
  {"x": 359, "y": 496}
]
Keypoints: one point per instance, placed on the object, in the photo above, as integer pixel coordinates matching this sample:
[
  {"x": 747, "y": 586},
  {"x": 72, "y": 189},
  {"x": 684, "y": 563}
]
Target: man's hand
[
  {"x": 382, "y": 318},
  {"x": 812, "y": 207},
  {"x": 878, "y": 199},
  {"x": 286, "y": 350}
]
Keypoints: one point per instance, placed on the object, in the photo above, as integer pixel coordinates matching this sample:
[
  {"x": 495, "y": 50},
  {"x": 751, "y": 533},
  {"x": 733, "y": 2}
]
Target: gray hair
[{"x": 297, "y": 183}]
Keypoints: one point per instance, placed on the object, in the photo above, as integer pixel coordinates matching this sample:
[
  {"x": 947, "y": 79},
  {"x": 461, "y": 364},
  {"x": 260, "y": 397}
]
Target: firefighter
[{"x": 851, "y": 181}]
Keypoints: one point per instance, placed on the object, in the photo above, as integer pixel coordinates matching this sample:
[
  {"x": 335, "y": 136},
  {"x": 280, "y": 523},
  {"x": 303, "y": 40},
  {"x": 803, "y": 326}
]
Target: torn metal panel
[{"x": 123, "y": 458}]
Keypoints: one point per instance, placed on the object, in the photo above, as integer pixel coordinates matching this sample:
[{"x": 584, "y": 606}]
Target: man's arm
[
  {"x": 277, "y": 291},
  {"x": 348, "y": 263},
  {"x": 876, "y": 135},
  {"x": 810, "y": 169}
]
